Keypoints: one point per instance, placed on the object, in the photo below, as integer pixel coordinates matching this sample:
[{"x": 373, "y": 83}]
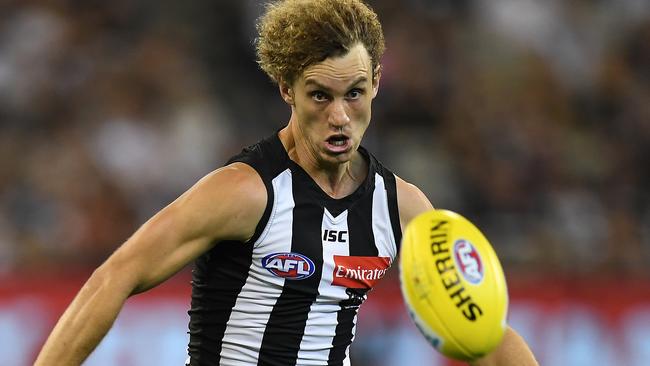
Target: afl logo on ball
[
  {"x": 292, "y": 266},
  {"x": 468, "y": 261}
]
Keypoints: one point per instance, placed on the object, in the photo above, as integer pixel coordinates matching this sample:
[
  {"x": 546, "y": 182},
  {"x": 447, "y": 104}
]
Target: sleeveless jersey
[{"x": 290, "y": 295}]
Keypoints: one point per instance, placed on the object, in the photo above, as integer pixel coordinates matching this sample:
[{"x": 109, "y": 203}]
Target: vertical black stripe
[
  {"x": 361, "y": 243},
  {"x": 362, "y": 239},
  {"x": 343, "y": 336},
  {"x": 286, "y": 325},
  {"x": 215, "y": 286},
  {"x": 393, "y": 209}
]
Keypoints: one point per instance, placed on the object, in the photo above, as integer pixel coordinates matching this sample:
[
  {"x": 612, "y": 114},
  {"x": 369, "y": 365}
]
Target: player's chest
[{"x": 311, "y": 246}]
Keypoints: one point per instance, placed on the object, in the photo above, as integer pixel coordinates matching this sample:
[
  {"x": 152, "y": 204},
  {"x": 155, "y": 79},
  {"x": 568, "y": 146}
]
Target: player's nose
[{"x": 338, "y": 116}]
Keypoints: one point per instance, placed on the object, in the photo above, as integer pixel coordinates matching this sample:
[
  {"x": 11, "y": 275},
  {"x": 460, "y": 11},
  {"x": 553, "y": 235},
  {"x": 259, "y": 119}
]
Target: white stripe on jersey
[
  {"x": 320, "y": 329},
  {"x": 245, "y": 327},
  {"x": 381, "y": 226}
]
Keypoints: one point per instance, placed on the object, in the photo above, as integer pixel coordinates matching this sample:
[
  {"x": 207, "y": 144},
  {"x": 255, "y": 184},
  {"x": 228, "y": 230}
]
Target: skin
[{"x": 329, "y": 99}]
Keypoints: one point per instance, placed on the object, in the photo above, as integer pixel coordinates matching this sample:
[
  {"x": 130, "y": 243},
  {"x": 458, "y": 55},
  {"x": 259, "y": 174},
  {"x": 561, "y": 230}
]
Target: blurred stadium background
[{"x": 532, "y": 118}]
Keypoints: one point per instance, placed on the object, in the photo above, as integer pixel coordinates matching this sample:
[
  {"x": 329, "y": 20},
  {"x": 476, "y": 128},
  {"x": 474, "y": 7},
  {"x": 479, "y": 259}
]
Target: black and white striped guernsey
[{"x": 290, "y": 295}]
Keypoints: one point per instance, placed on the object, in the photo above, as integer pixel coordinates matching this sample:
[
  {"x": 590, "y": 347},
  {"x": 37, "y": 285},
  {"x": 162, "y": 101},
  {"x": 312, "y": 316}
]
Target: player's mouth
[{"x": 338, "y": 143}]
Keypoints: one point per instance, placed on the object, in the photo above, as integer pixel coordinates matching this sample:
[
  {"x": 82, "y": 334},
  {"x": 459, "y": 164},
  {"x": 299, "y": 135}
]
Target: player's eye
[
  {"x": 318, "y": 96},
  {"x": 355, "y": 94}
]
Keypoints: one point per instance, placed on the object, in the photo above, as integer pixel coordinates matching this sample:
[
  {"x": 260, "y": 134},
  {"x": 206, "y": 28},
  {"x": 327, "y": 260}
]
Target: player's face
[{"x": 331, "y": 103}]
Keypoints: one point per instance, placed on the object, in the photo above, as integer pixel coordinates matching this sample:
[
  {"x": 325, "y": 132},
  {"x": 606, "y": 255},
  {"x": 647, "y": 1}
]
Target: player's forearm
[
  {"x": 513, "y": 351},
  {"x": 85, "y": 322}
]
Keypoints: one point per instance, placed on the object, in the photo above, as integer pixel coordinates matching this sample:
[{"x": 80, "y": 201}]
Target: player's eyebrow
[{"x": 320, "y": 86}]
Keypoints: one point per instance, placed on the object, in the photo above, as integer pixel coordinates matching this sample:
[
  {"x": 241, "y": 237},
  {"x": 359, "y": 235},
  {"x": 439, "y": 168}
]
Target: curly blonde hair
[{"x": 293, "y": 34}]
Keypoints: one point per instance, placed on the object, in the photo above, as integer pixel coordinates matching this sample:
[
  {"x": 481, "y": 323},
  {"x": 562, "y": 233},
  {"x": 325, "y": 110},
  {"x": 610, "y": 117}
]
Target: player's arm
[
  {"x": 225, "y": 205},
  {"x": 513, "y": 351}
]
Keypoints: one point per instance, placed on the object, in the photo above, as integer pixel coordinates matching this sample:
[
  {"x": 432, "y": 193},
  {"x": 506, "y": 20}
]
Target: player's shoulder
[
  {"x": 229, "y": 201},
  {"x": 238, "y": 182},
  {"x": 411, "y": 201}
]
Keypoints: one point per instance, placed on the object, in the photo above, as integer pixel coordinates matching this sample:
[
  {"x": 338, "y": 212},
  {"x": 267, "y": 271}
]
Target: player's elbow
[{"x": 113, "y": 277}]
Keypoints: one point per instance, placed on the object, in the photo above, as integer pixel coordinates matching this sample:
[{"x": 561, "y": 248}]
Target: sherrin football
[{"x": 453, "y": 285}]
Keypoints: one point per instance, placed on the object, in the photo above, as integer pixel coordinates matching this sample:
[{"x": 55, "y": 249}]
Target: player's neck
[{"x": 337, "y": 180}]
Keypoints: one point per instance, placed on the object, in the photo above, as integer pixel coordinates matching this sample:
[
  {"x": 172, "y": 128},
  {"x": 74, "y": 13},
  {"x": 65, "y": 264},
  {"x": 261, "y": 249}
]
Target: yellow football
[{"x": 453, "y": 285}]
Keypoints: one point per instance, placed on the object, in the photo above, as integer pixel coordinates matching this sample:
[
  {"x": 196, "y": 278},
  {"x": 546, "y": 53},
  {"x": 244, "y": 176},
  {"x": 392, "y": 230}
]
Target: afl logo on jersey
[
  {"x": 292, "y": 266},
  {"x": 468, "y": 261}
]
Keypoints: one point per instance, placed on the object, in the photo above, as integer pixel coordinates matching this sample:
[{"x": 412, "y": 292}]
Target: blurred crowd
[{"x": 531, "y": 118}]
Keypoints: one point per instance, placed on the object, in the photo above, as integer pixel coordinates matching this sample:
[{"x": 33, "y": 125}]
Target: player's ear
[
  {"x": 286, "y": 91},
  {"x": 376, "y": 75}
]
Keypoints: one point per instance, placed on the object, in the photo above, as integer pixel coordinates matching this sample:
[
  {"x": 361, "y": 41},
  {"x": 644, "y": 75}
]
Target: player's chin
[{"x": 336, "y": 158}]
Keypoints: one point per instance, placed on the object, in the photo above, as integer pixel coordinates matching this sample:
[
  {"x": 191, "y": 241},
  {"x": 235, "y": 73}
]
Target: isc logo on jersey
[
  {"x": 292, "y": 266},
  {"x": 468, "y": 261}
]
